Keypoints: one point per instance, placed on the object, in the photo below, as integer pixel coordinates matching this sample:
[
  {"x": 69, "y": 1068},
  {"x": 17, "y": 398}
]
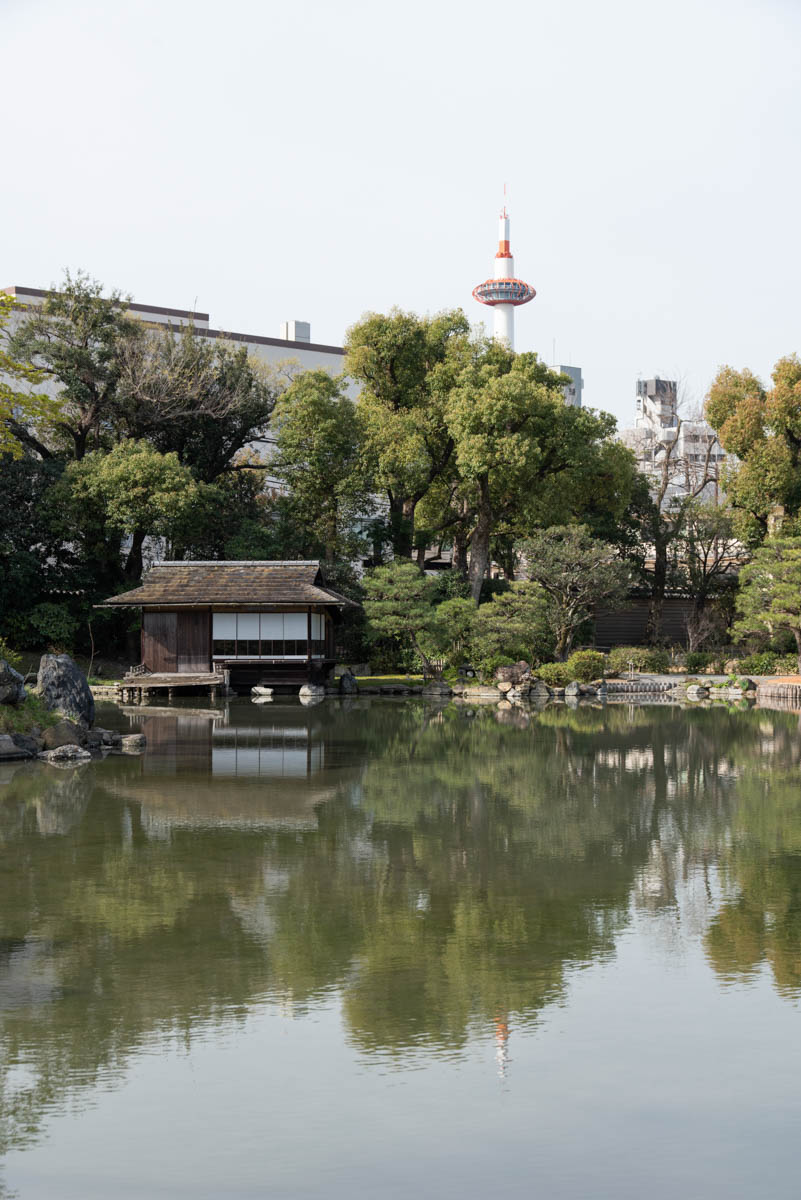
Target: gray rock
[
  {"x": 516, "y": 673},
  {"x": 63, "y": 688},
  {"x": 311, "y": 689},
  {"x": 347, "y": 684},
  {"x": 573, "y": 689},
  {"x": 9, "y": 748},
  {"x": 696, "y": 692},
  {"x": 108, "y": 737},
  {"x": 12, "y": 685},
  {"x": 133, "y": 743},
  {"x": 28, "y": 742},
  {"x": 65, "y": 733},
  {"x": 438, "y": 688},
  {"x": 539, "y": 689},
  {"x": 261, "y": 691},
  {"x": 94, "y": 739},
  {"x": 66, "y": 754}
]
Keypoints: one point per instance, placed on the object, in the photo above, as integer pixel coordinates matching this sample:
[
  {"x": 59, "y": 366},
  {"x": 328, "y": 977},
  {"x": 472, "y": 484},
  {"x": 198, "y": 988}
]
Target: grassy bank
[{"x": 21, "y": 718}]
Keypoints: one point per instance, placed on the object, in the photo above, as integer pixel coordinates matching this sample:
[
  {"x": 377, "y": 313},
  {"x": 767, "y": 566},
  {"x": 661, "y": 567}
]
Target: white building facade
[{"x": 662, "y": 438}]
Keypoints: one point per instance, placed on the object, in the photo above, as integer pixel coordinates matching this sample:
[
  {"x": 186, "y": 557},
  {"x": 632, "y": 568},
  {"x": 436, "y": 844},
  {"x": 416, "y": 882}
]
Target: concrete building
[
  {"x": 572, "y": 391},
  {"x": 664, "y": 441},
  {"x": 293, "y": 346}
]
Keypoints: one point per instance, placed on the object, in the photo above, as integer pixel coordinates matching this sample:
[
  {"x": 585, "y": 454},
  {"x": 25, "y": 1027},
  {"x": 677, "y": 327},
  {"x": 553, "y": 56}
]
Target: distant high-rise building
[
  {"x": 669, "y": 447},
  {"x": 572, "y": 391}
]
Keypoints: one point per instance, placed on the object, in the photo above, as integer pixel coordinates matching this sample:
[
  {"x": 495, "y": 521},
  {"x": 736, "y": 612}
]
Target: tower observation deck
[{"x": 504, "y": 293}]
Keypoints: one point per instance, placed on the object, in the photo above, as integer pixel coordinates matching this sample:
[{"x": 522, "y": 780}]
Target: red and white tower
[{"x": 504, "y": 292}]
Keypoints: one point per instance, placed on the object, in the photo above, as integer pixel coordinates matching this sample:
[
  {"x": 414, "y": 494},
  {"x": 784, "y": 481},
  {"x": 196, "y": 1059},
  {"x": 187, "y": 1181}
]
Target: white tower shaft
[
  {"x": 504, "y": 315},
  {"x": 503, "y": 324}
]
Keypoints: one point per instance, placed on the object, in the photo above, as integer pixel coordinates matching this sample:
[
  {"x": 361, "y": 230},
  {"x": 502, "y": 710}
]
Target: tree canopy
[
  {"x": 319, "y": 441},
  {"x": 20, "y": 408},
  {"x": 577, "y": 574},
  {"x": 763, "y": 429},
  {"x": 769, "y": 600},
  {"x": 399, "y": 360}
]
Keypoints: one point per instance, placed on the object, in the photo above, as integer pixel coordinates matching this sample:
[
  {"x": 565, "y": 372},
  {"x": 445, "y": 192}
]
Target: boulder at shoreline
[{"x": 63, "y": 688}]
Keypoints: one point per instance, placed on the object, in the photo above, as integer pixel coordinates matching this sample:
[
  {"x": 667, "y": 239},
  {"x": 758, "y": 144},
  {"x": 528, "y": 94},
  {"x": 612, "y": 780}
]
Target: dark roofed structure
[
  {"x": 226, "y": 583},
  {"x": 253, "y": 622}
]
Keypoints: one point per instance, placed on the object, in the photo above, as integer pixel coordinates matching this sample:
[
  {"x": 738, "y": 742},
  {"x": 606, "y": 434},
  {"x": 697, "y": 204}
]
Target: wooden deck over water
[{"x": 137, "y": 687}]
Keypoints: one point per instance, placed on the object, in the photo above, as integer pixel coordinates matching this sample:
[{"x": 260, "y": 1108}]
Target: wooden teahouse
[{"x": 253, "y": 622}]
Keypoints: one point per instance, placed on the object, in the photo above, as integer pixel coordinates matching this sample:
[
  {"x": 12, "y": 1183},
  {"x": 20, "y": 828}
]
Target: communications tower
[{"x": 504, "y": 292}]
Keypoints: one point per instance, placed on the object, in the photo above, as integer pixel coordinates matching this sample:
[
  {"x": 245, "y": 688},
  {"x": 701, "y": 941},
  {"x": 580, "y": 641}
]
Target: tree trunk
[
  {"x": 480, "y": 541},
  {"x": 459, "y": 557},
  {"x": 653, "y": 631},
  {"x": 133, "y": 564},
  {"x": 401, "y": 528},
  {"x": 561, "y": 646}
]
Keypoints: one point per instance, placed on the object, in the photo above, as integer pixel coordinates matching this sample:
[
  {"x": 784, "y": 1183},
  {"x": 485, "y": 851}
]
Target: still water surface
[{"x": 374, "y": 949}]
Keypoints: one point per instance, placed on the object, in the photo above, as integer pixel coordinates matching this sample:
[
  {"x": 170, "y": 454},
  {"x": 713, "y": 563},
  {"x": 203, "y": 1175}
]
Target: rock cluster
[
  {"x": 12, "y": 685},
  {"x": 63, "y": 688},
  {"x": 517, "y": 673}
]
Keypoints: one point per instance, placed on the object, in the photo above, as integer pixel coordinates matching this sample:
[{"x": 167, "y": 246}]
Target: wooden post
[{"x": 308, "y": 642}]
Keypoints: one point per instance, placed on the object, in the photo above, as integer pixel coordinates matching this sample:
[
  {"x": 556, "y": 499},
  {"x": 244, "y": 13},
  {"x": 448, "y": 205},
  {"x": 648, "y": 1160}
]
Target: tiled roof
[{"x": 227, "y": 583}]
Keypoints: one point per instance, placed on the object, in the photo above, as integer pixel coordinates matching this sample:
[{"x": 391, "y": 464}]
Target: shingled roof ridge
[{"x": 237, "y": 562}]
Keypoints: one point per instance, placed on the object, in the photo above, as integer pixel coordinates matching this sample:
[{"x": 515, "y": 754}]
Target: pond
[{"x": 377, "y": 948}]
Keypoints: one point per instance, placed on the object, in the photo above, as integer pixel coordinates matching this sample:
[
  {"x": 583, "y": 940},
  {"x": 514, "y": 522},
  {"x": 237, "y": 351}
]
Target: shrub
[
  {"x": 584, "y": 665},
  {"x": 697, "y": 661},
  {"x": 554, "y": 674},
  {"x": 786, "y": 664},
  {"x": 54, "y": 625},
  {"x": 489, "y": 665},
  {"x": 763, "y": 663},
  {"x": 12, "y": 658},
  {"x": 644, "y": 658}
]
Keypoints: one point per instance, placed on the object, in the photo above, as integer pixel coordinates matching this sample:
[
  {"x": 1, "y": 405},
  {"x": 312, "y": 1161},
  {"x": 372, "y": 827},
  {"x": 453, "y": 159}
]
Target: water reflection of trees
[
  {"x": 760, "y": 922},
  {"x": 459, "y": 867}
]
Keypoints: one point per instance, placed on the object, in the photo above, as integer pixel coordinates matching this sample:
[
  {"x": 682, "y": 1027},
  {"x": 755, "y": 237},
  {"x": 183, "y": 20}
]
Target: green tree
[
  {"x": 513, "y": 624},
  {"x": 19, "y": 410},
  {"x": 319, "y": 443},
  {"x": 519, "y": 449},
  {"x": 769, "y": 600},
  {"x": 763, "y": 429},
  {"x": 398, "y": 604},
  {"x": 137, "y": 490},
  {"x": 203, "y": 399},
  {"x": 450, "y": 634},
  {"x": 76, "y": 339},
  {"x": 399, "y": 360},
  {"x": 577, "y": 574}
]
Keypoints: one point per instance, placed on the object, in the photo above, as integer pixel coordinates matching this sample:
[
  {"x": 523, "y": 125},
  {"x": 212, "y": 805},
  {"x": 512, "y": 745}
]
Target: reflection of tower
[
  {"x": 503, "y": 292},
  {"x": 502, "y": 1045}
]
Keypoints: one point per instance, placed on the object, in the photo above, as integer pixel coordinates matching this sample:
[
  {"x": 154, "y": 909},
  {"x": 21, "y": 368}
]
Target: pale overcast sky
[{"x": 314, "y": 160}]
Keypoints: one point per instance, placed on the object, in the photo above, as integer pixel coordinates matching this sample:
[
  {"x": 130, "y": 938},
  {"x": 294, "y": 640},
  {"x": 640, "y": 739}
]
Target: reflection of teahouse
[{"x": 258, "y": 622}]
